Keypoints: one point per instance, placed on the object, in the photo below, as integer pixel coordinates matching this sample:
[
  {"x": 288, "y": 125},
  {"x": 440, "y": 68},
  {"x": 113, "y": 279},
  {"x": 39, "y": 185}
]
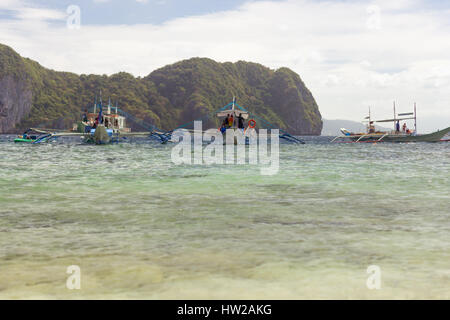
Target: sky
[{"x": 350, "y": 54}]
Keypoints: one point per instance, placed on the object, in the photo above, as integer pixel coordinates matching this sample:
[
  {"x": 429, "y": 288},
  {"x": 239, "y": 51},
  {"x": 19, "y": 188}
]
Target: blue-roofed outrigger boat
[{"x": 234, "y": 110}]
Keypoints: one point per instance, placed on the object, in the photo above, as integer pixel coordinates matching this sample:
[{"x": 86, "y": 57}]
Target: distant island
[
  {"x": 31, "y": 95},
  {"x": 333, "y": 127}
]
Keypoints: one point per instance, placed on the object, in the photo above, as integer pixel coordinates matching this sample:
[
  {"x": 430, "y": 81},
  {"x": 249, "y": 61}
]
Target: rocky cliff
[
  {"x": 31, "y": 95},
  {"x": 15, "y": 102}
]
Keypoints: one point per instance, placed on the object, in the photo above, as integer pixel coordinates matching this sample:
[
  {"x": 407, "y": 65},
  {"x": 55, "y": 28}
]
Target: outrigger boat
[
  {"x": 248, "y": 120},
  {"x": 102, "y": 128},
  {"x": 234, "y": 118},
  {"x": 396, "y": 135},
  {"x": 35, "y": 136},
  {"x": 30, "y": 136}
]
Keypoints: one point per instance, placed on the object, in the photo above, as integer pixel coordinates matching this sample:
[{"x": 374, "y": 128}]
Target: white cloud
[
  {"x": 10, "y": 4},
  {"x": 105, "y": 1},
  {"x": 22, "y": 10},
  {"x": 347, "y": 65},
  {"x": 39, "y": 14}
]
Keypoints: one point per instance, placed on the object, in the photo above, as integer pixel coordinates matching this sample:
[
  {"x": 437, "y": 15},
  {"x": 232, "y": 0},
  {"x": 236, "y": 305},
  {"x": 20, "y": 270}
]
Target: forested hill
[{"x": 31, "y": 95}]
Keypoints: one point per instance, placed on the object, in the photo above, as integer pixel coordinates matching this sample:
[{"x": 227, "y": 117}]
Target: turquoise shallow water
[{"x": 141, "y": 227}]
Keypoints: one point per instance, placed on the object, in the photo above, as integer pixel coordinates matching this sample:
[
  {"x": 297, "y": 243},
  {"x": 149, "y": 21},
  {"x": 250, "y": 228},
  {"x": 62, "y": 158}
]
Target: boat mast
[
  {"x": 234, "y": 113},
  {"x": 415, "y": 119},
  {"x": 100, "y": 115},
  {"x": 395, "y": 118}
]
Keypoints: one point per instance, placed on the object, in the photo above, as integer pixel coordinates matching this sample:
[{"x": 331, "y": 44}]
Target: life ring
[{"x": 252, "y": 124}]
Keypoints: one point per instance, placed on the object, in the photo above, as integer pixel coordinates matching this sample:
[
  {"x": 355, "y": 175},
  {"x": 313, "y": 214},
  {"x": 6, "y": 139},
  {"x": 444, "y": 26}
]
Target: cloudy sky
[{"x": 351, "y": 54}]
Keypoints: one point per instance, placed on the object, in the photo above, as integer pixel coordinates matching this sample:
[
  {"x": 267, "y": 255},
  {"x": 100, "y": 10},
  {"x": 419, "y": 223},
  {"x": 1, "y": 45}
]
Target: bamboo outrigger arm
[
  {"x": 335, "y": 138},
  {"x": 362, "y": 137}
]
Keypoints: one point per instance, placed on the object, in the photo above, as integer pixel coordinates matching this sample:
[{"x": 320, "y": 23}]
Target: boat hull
[
  {"x": 431, "y": 137},
  {"x": 21, "y": 140},
  {"x": 100, "y": 135}
]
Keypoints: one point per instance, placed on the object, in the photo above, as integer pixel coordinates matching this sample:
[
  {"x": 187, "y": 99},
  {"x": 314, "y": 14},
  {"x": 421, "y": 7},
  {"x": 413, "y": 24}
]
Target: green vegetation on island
[{"x": 168, "y": 97}]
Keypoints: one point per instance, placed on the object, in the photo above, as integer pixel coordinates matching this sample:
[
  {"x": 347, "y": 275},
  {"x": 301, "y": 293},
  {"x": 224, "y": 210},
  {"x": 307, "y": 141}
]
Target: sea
[{"x": 337, "y": 221}]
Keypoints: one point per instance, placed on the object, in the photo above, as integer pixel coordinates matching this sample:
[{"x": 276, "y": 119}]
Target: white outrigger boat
[
  {"x": 396, "y": 135},
  {"x": 95, "y": 128}
]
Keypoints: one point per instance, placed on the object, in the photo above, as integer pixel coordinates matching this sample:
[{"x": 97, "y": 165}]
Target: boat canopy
[
  {"x": 224, "y": 112},
  {"x": 394, "y": 120},
  {"x": 235, "y": 112}
]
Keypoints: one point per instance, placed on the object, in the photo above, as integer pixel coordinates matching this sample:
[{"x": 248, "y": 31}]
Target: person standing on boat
[
  {"x": 397, "y": 127},
  {"x": 240, "y": 122},
  {"x": 230, "y": 120},
  {"x": 224, "y": 124},
  {"x": 404, "y": 127},
  {"x": 371, "y": 127},
  {"x": 85, "y": 118}
]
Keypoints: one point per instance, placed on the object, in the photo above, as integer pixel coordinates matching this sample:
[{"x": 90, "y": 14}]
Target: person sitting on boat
[
  {"x": 26, "y": 135},
  {"x": 371, "y": 127}
]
